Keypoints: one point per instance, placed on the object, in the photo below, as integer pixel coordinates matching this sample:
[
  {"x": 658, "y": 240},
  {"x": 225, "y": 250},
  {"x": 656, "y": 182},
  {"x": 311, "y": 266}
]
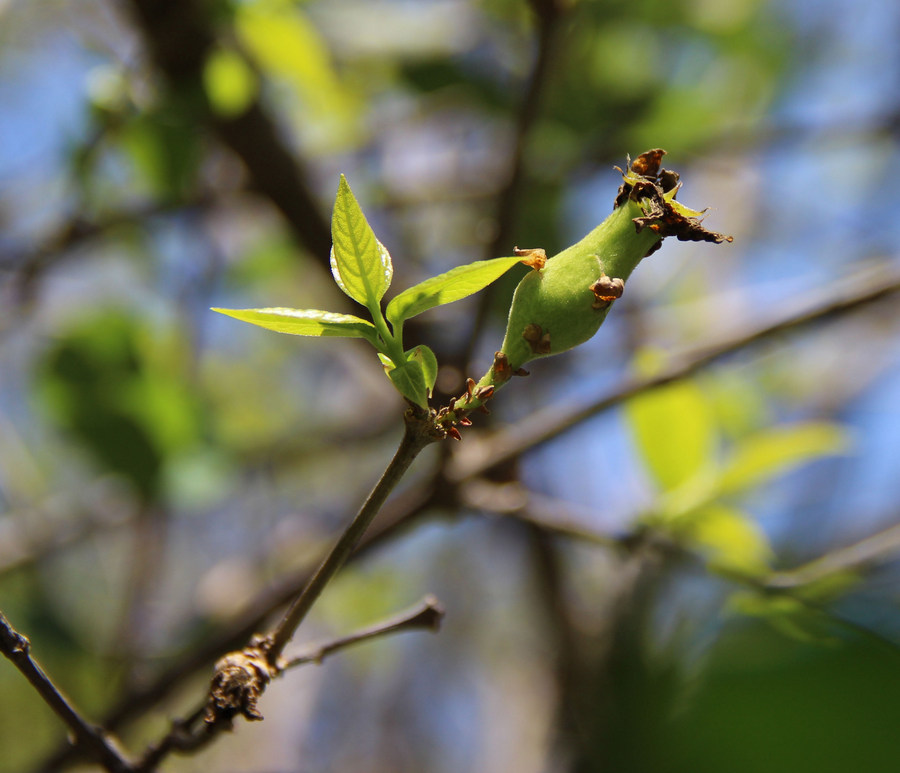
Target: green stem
[
  {"x": 419, "y": 433},
  {"x": 393, "y": 344}
]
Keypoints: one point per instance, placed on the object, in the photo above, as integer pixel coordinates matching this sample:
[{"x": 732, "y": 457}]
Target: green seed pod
[
  {"x": 563, "y": 304},
  {"x": 555, "y": 308},
  {"x": 565, "y": 299}
]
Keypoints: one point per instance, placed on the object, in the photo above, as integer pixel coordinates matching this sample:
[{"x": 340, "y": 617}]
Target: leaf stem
[
  {"x": 419, "y": 433},
  {"x": 393, "y": 343}
]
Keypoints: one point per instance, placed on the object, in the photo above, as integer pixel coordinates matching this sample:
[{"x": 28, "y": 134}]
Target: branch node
[{"x": 239, "y": 680}]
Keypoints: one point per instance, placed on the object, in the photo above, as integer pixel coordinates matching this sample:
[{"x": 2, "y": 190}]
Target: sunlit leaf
[
  {"x": 731, "y": 539},
  {"x": 305, "y": 322},
  {"x": 359, "y": 262},
  {"x": 230, "y": 85},
  {"x": 290, "y": 49},
  {"x": 675, "y": 432},
  {"x": 454, "y": 285},
  {"x": 766, "y": 454}
]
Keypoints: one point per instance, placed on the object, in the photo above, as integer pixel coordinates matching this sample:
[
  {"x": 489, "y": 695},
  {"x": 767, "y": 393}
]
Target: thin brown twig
[
  {"x": 400, "y": 512},
  {"x": 94, "y": 742},
  {"x": 428, "y": 614},
  {"x": 242, "y": 676},
  {"x": 419, "y": 433},
  {"x": 867, "y": 552},
  {"x": 181, "y": 738},
  {"x": 184, "y": 738}
]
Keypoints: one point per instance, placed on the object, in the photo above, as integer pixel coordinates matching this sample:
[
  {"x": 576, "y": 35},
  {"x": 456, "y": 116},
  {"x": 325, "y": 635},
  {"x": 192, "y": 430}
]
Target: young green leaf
[
  {"x": 306, "y": 322},
  {"x": 675, "y": 432},
  {"x": 454, "y": 285},
  {"x": 359, "y": 262},
  {"x": 409, "y": 380},
  {"x": 764, "y": 455},
  {"x": 731, "y": 539},
  {"x": 428, "y": 362}
]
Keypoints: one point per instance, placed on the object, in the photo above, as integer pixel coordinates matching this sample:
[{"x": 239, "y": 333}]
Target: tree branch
[
  {"x": 842, "y": 297},
  {"x": 180, "y": 36},
  {"x": 502, "y": 446},
  {"x": 90, "y": 740},
  {"x": 427, "y": 614},
  {"x": 869, "y": 551},
  {"x": 241, "y": 676},
  {"x": 418, "y": 434}
]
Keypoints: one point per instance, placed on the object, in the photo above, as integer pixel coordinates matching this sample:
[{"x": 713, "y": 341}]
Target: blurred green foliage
[
  {"x": 681, "y": 441},
  {"x": 126, "y": 213},
  {"x": 118, "y": 390}
]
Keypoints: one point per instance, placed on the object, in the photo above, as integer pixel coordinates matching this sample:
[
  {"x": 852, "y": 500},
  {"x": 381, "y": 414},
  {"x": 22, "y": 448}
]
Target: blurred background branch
[{"x": 650, "y": 544}]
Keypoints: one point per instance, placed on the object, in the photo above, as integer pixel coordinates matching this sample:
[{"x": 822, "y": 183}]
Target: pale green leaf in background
[
  {"x": 675, "y": 432},
  {"x": 766, "y": 454},
  {"x": 306, "y": 322},
  {"x": 730, "y": 538},
  {"x": 359, "y": 262},
  {"x": 291, "y": 51},
  {"x": 230, "y": 84},
  {"x": 454, "y": 285}
]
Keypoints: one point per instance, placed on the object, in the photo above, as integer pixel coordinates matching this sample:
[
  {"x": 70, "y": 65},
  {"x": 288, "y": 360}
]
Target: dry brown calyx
[
  {"x": 239, "y": 681},
  {"x": 654, "y": 189}
]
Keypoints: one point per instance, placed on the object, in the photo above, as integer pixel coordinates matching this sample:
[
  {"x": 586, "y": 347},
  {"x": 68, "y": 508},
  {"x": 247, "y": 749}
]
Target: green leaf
[
  {"x": 454, "y": 285},
  {"x": 675, "y": 432},
  {"x": 730, "y": 538},
  {"x": 789, "y": 616},
  {"x": 428, "y": 362},
  {"x": 409, "y": 380},
  {"x": 306, "y": 322},
  {"x": 766, "y": 454},
  {"x": 165, "y": 147},
  {"x": 230, "y": 84},
  {"x": 293, "y": 53},
  {"x": 359, "y": 262}
]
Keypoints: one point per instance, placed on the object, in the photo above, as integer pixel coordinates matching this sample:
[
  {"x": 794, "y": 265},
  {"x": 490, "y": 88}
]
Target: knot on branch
[{"x": 239, "y": 680}]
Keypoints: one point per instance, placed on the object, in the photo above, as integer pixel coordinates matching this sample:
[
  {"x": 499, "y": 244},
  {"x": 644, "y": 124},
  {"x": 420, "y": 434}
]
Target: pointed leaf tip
[
  {"x": 360, "y": 264},
  {"x": 453, "y": 285},
  {"x": 305, "y": 322}
]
